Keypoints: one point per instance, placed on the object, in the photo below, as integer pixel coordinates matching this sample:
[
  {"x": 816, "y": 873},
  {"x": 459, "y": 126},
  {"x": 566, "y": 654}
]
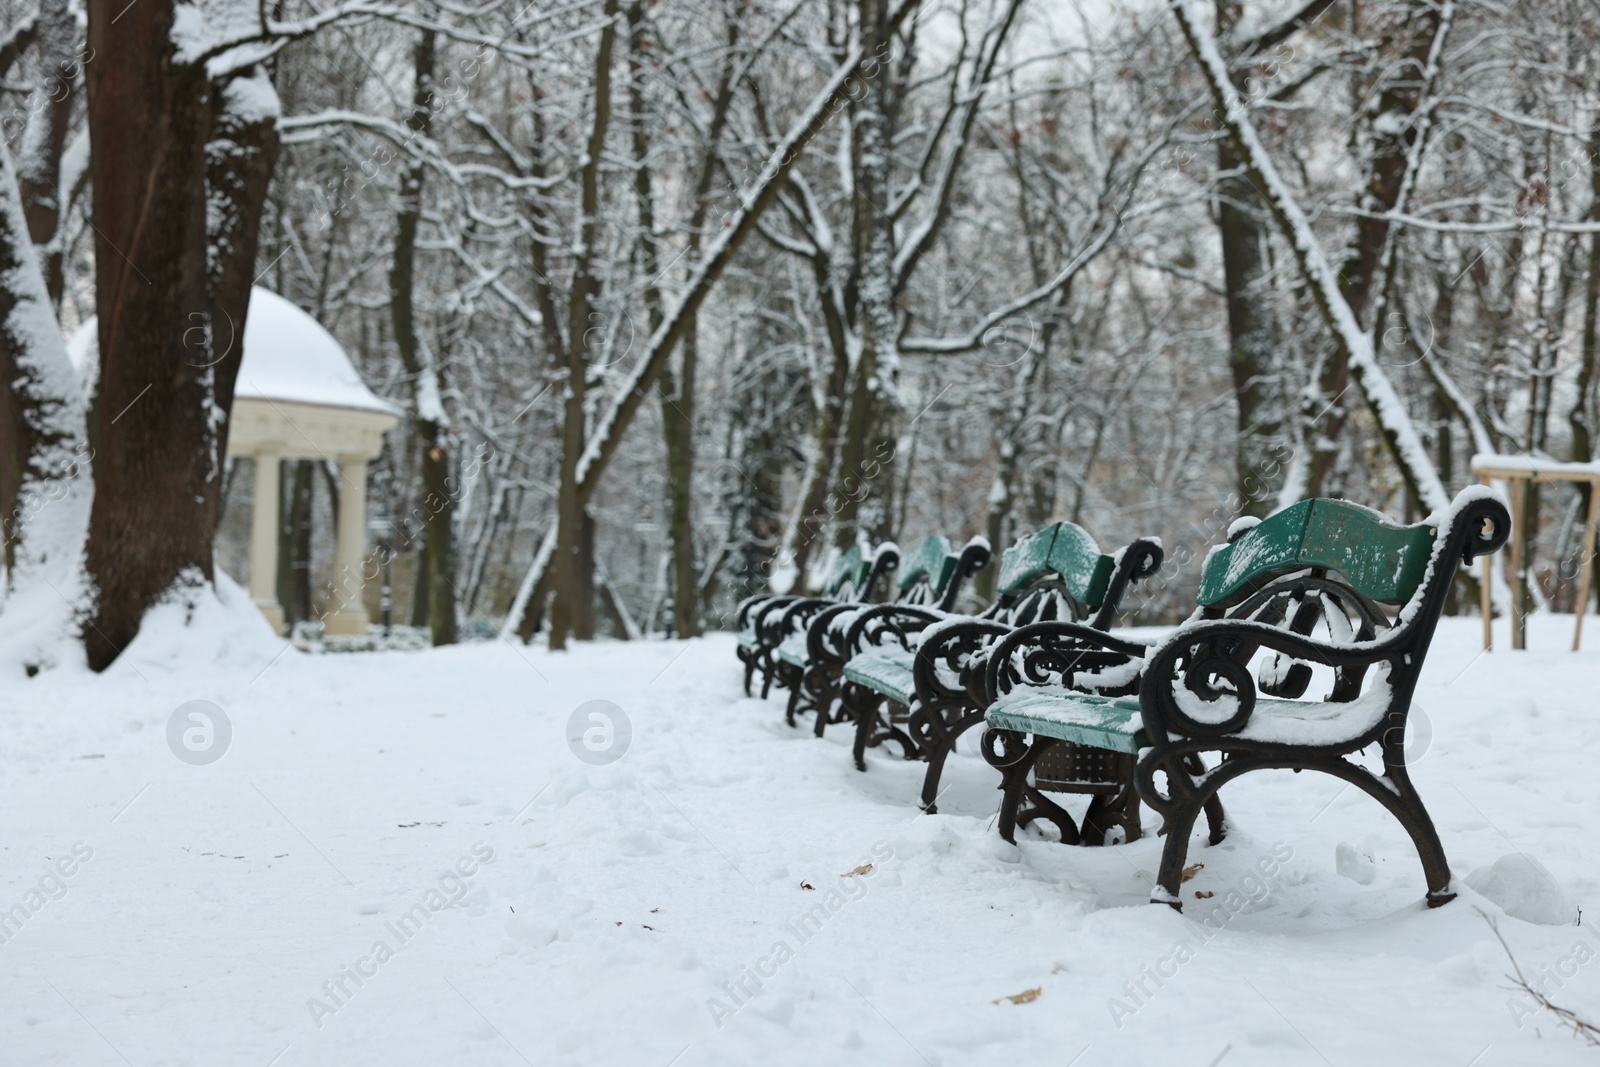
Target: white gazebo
[{"x": 299, "y": 397}]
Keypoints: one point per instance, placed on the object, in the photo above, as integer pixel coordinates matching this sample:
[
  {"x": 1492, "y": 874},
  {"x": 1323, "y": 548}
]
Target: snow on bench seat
[
  {"x": 1115, "y": 722},
  {"x": 887, "y": 671},
  {"x": 1102, "y": 722},
  {"x": 793, "y": 650}
]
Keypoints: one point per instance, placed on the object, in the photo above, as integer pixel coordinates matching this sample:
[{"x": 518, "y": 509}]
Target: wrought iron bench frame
[
  {"x": 769, "y": 618},
  {"x": 931, "y": 580},
  {"x": 1268, "y": 590},
  {"x": 1057, "y": 572}
]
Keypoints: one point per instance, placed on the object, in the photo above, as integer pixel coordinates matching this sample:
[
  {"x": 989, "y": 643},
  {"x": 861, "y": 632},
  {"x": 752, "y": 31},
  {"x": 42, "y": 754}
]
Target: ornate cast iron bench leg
[
  {"x": 1108, "y": 810},
  {"x": 1020, "y": 803},
  {"x": 939, "y": 741}
]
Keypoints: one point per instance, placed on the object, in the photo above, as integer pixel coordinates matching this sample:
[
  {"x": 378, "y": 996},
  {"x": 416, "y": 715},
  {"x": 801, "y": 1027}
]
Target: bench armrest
[
  {"x": 1138, "y": 560},
  {"x": 825, "y": 636},
  {"x": 954, "y": 646},
  {"x": 1209, "y": 660},
  {"x": 797, "y": 614},
  {"x": 871, "y": 625},
  {"x": 1063, "y": 649}
]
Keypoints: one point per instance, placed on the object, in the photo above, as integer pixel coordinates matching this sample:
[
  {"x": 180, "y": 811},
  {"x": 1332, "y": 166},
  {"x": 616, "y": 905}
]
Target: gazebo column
[
  {"x": 264, "y": 542},
  {"x": 350, "y": 617}
]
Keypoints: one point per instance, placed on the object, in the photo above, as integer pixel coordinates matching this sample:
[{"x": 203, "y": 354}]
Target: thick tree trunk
[
  {"x": 677, "y": 427},
  {"x": 157, "y": 463}
]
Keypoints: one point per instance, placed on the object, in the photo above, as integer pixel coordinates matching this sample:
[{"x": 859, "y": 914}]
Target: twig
[{"x": 1580, "y": 1026}]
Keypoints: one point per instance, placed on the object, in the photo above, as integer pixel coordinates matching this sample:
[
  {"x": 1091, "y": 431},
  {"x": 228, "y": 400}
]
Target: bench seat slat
[
  {"x": 1115, "y": 723},
  {"x": 887, "y": 671},
  {"x": 793, "y": 650},
  {"x": 1103, "y": 722}
]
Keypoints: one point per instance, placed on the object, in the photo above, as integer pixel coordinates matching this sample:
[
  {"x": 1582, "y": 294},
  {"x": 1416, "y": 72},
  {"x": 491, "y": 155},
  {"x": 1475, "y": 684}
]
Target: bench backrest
[
  {"x": 849, "y": 573},
  {"x": 931, "y": 564},
  {"x": 1062, "y": 550},
  {"x": 1380, "y": 560}
]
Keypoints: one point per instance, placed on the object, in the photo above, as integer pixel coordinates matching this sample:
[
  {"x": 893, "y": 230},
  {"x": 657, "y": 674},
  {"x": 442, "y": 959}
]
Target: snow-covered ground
[{"x": 536, "y": 908}]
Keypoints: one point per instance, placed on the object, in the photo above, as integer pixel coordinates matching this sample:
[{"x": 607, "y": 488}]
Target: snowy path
[{"x": 220, "y": 899}]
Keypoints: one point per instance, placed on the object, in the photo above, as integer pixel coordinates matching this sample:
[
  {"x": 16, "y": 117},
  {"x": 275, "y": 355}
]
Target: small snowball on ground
[
  {"x": 1524, "y": 889},
  {"x": 1354, "y": 864}
]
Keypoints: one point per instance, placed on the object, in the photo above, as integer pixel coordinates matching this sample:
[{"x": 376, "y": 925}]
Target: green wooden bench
[
  {"x": 1324, "y": 584},
  {"x": 929, "y": 580},
  {"x": 764, "y": 621},
  {"x": 1056, "y": 573}
]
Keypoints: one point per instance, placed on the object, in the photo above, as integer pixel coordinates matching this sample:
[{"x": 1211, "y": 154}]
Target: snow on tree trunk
[
  {"x": 44, "y": 482},
  {"x": 1355, "y": 343},
  {"x": 44, "y": 195}
]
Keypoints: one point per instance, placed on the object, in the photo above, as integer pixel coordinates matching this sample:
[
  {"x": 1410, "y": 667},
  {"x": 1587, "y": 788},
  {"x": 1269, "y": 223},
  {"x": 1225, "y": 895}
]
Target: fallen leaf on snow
[
  {"x": 808, "y": 885},
  {"x": 1192, "y": 870},
  {"x": 1204, "y": 894},
  {"x": 865, "y": 868},
  {"x": 1027, "y": 996}
]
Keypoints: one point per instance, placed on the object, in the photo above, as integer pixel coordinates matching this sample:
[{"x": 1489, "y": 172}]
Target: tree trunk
[
  {"x": 1391, "y": 137},
  {"x": 39, "y": 164},
  {"x": 41, "y": 407},
  {"x": 677, "y": 391},
  {"x": 1252, "y": 335},
  {"x": 1581, "y": 417},
  {"x": 294, "y": 543},
  {"x": 433, "y": 430},
  {"x": 422, "y": 591},
  {"x": 159, "y": 446},
  {"x": 573, "y": 609}
]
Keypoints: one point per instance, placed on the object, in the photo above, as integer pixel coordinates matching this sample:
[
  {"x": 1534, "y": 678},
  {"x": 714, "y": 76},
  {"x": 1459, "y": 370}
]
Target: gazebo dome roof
[{"x": 288, "y": 356}]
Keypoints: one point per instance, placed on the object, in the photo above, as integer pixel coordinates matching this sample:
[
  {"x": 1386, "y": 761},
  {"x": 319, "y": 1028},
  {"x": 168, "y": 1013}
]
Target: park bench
[
  {"x": 1322, "y": 590},
  {"x": 764, "y": 621},
  {"x": 930, "y": 580},
  {"x": 906, "y": 668}
]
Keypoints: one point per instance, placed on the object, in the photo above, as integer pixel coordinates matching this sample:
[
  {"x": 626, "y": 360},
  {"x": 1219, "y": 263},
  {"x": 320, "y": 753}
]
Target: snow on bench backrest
[
  {"x": 1378, "y": 559},
  {"x": 1065, "y": 550},
  {"x": 933, "y": 561}
]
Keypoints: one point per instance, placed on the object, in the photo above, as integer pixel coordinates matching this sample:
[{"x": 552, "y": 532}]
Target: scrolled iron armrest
[
  {"x": 798, "y": 614},
  {"x": 1085, "y": 638},
  {"x": 872, "y": 622},
  {"x": 955, "y": 636},
  {"x": 768, "y": 616},
  {"x": 1220, "y": 650},
  {"x": 751, "y": 604},
  {"x": 823, "y": 641},
  {"x": 1141, "y": 558}
]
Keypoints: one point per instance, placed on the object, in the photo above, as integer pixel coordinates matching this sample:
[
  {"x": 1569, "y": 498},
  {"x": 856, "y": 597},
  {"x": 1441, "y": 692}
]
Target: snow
[
  {"x": 1525, "y": 889},
  {"x": 288, "y": 356},
  {"x": 42, "y": 593},
  {"x": 1541, "y": 465},
  {"x": 651, "y": 908}
]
